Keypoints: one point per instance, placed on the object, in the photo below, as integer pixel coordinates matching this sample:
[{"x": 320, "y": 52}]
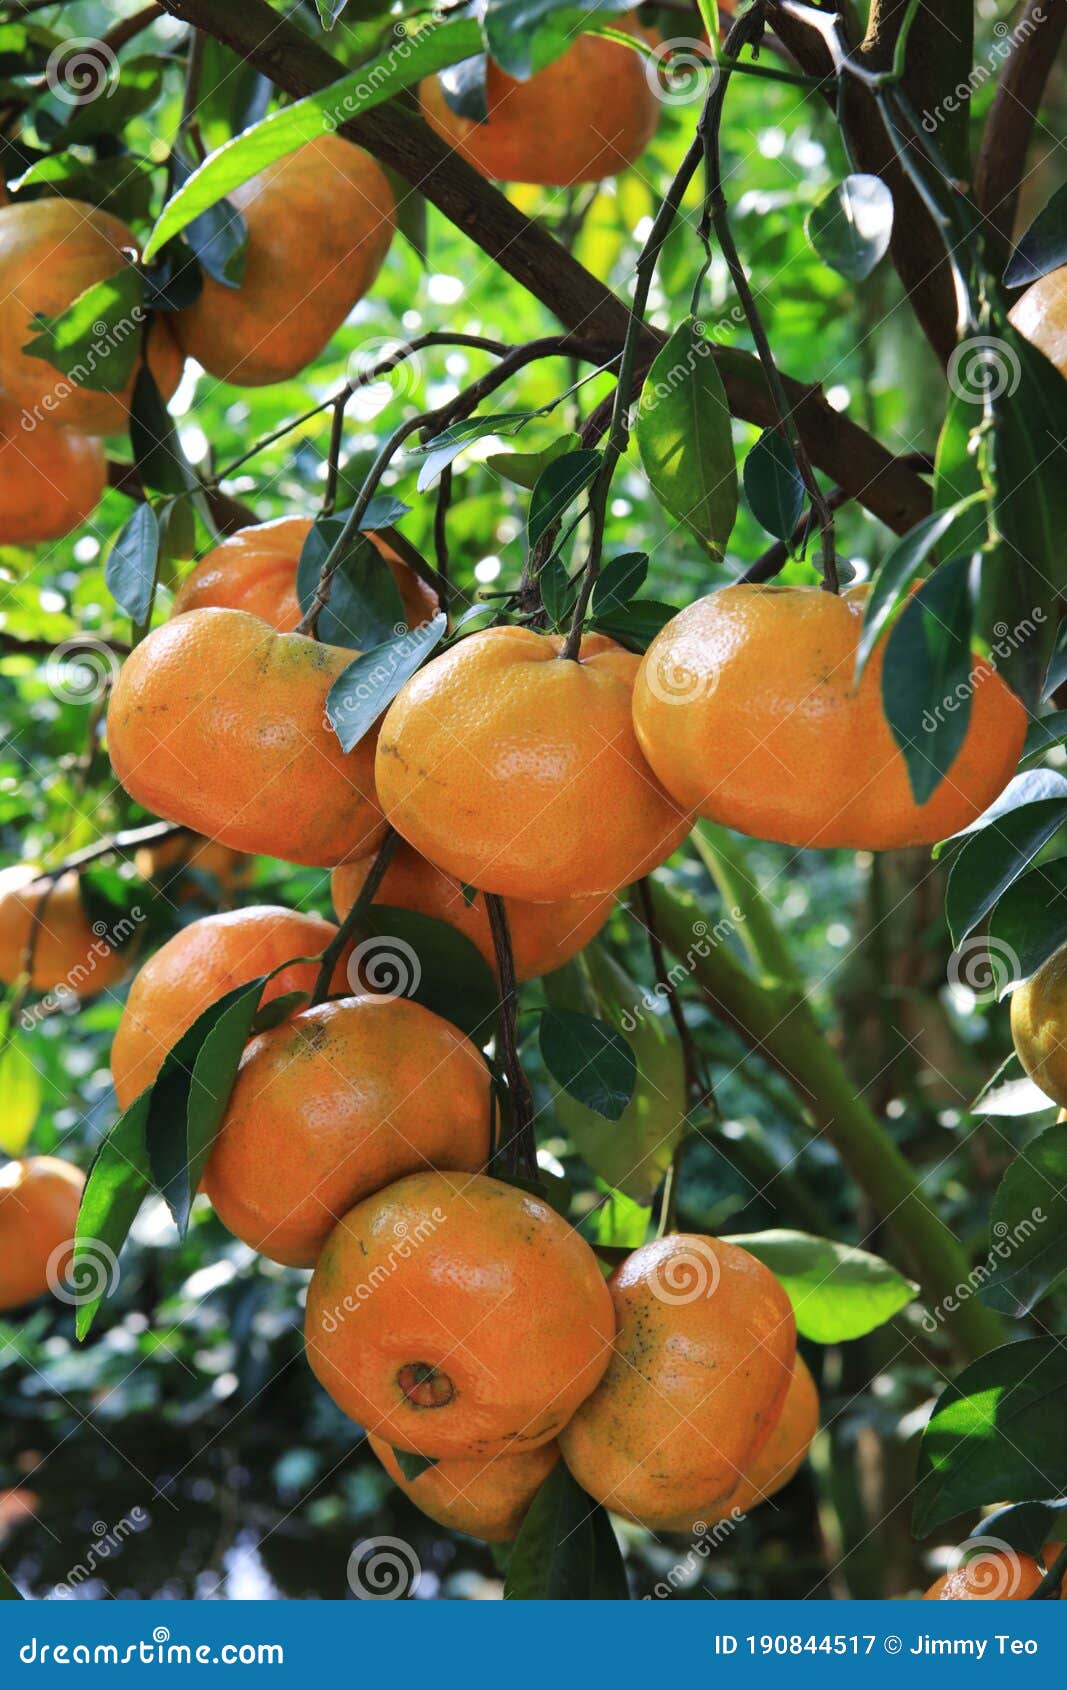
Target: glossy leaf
[
  {"x": 837, "y": 1291},
  {"x": 684, "y": 437},
  {"x": 773, "y": 485},
  {"x": 1043, "y": 248},
  {"x": 154, "y": 439},
  {"x": 364, "y": 608},
  {"x": 1028, "y": 1229},
  {"x": 926, "y": 678},
  {"x": 557, "y": 488},
  {"x": 993, "y": 859},
  {"x": 406, "y": 954},
  {"x": 618, "y": 581},
  {"x": 1042, "y": 736},
  {"x": 370, "y": 683},
  {"x": 524, "y": 36},
  {"x": 218, "y": 238},
  {"x": 524, "y": 468},
  {"x": 96, "y": 341},
  {"x": 464, "y": 88},
  {"x": 901, "y": 565},
  {"x": 590, "y": 1060},
  {"x": 1029, "y": 923},
  {"x": 635, "y": 624},
  {"x": 850, "y": 227},
  {"x": 118, "y": 1182},
  {"x": 566, "y": 1549},
  {"x": 21, "y": 1089},
  {"x": 131, "y": 565}
]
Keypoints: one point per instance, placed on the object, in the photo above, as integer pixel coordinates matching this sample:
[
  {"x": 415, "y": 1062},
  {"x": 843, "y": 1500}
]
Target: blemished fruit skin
[
  {"x": 68, "y": 952},
  {"x": 587, "y": 115},
  {"x": 517, "y": 771},
  {"x": 255, "y": 570},
  {"x": 1040, "y": 316},
  {"x": 989, "y": 1577},
  {"x": 334, "y": 1104},
  {"x": 747, "y": 710},
  {"x": 39, "y": 1200},
  {"x": 543, "y": 936},
  {"x": 199, "y": 965},
  {"x": 699, "y": 1372},
  {"x": 781, "y": 1456},
  {"x": 218, "y": 722},
  {"x": 51, "y": 479},
  {"x": 51, "y": 250},
  {"x": 454, "y": 1315},
  {"x": 485, "y": 1499},
  {"x": 319, "y": 224},
  {"x": 1039, "y": 1026}
]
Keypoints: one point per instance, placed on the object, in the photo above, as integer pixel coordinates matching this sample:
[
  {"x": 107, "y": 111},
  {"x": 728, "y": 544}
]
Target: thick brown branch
[{"x": 1036, "y": 39}]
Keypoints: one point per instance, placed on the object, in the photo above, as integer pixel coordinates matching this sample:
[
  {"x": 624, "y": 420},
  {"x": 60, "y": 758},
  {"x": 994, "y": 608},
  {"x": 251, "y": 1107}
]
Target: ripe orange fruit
[
  {"x": 39, "y": 1200},
  {"x": 332, "y": 1105},
  {"x": 518, "y": 771},
  {"x": 218, "y": 722},
  {"x": 255, "y": 570},
  {"x": 784, "y": 1452},
  {"x": 746, "y": 709},
  {"x": 457, "y": 1316},
  {"x": 1040, "y": 316},
  {"x": 1038, "y": 1026},
  {"x": 990, "y": 1577},
  {"x": 69, "y": 950},
  {"x": 319, "y": 222},
  {"x": 199, "y": 965},
  {"x": 485, "y": 1499},
  {"x": 168, "y": 863},
  {"x": 51, "y": 479},
  {"x": 587, "y": 115},
  {"x": 702, "y": 1362},
  {"x": 543, "y": 936},
  {"x": 51, "y": 250}
]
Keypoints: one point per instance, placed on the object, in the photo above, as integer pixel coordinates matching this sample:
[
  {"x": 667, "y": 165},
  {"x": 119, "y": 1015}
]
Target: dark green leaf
[
  {"x": 556, "y": 489},
  {"x": 154, "y": 439},
  {"x": 364, "y": 608},
  {"x": 464, "y": 89},
  {"x": 558, "y": 591},
  {"x": 899, "y": 568},
  {"x": 684, "y": 438},
  {"x": 636, "y": 624},
  {"x": 1042, "y": 736},
  {"x": 1043, "y": 247},
  {"x": 131, "y": 565},
  {"x": 850, "y": 226},
  {"x": 96, "y": 341},
  {"x": 1057, "y": 668},
  {"x": 926, "y": 679},
  {"x": 382, "y": 512},
  {"x": 996, "y": 1434},
  {"x": 837, "y": 1292},
  {"x": 1033, "y": 787},
  {"x": 412, "y": 1465},
  {"x": 118, "y": 1182},
  {"x": 1029, "y": 924},
  {"x": 415, "y": 956},
  {"x": 278, "y": 1009},
  {"x": 566, "y": 1549},
  {"x": 590, "y": 1060},
  {"x": 773, "y": 485},
  {"x": 1028, "y": 1230},
  {"x": 219, "y": 236},
  {"x": 122, "y": 186},
  {"x": 1026, "y": 1526},
  {"x": 125, "y": 96},
  {"x": 993, "y": 859},
  {"x": 363, "y": 690},
  {"x": 618, "y": 581}
]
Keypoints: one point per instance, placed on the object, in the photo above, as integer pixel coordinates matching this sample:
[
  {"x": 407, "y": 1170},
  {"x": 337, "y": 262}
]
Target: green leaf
[
  {"x": 1028, "y": 1229},
  {"x": 899, "y": 567},
  {"x": 330, "y": 11},
  {"x": 566, "y": 1550},
  {"x": 590, "y": 1060},
  {"x": 850, "y": 227},
  {"x": 1043, "y": 248},
  {"x": 154, "y": 439},
  {"x": 635, "y": 624},
  {"x": 1043, "y": 736},
  {"x": 1027, "y": 1526},
  {"x": 406, "y": 954},
  {"x": 423, "y": 54},
  {"x": 994, "y": 858},
  {"x": 20, "y": 1087},
  {"x": 218, "y": 238},
  {"x": 1029, "y": 924},
  {"x": 412, "y": 1465},
  {"x": 558, "y": 591},
  {"x": 127, "y": 95},
  {"x": 464, "y": 88},
  {"x": 96, "y": 341},
  {"x": 370, "y": 683},
  {"x": 773, "y": 485},
  {"x": 119, "y": 1180},
  {"x": 837, "y": 1292},
  {"x": 684, "y": 437},
  {"x": 1010, "y": 1092},
  {"x": 130, "y": 572},
  {"x": 996, "y": 1434},
  {"x": 556, "y": 489},
  {"x": 524, "y": 468},
  {"x": 926, "y": 679},
  {"x": 364, "y": 608},
  {"x": 122, "y": 186},
  {"x": 1030, "y": 788},
  {"x": 618, "y": 581}
]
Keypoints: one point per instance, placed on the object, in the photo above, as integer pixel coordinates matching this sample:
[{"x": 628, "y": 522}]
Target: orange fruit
[
  {"x": 990, "y": 1577},
  {"x": 255, "y": 570},
  {"x": 784, "y": 1452},
  {"x": 485, "y": 1499},
  {"x": 746, "y": 709},
  {"x": 319, "y": 223},
  {"x": 169, "y": 862},
  {"x": 702, "y": 1362},
  {"x": 199, "y": 965},
  {"x": 1040, "y": 316},
  {"x": 517, "y": 771},
  {"x": 587, "y": 115},
  {"x": 218, "y": 722},
  {"x": 39, "y": 1200},
  {"x": 51, "y": 250},
  {"x": 1050, "y": 1554},
  {"x": 455, "y": 1315},
  {"x": 69, "y": 950},
  {"x": 51, "y": 479},
  {"x": 543, "y": 936},
  {"x": 335, "y": 1103},
  {"x": 1038, "y": 1026}
]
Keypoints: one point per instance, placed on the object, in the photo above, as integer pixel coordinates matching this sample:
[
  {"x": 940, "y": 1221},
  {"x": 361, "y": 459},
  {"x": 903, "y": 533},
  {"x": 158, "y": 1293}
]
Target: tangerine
[
  {"x": 485, "y": 1499},
  {"x": 518, "y": 771},
  {"x": 1040, "y": 315},
  {"x": 991, "y": 1577},
  {"x": 454, "y": 1315},
  {"x": 68, "y": 949},
  {"x": 747, "y": 710},
  {"x": 334, "y": 1104},
  {"x": 320, "y": 222},
  {"x": 698, "y": 1376},
  {"x": 218, "y": 722},
  {"x": 1038, "y": 1020},
  {"x": 39, "y": 1200},
  {"x": 51, "y": 479}
]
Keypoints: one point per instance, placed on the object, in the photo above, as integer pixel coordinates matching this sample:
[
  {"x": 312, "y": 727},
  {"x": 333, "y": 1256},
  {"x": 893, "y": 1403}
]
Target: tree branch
[{"x": 1009, "y": 127}]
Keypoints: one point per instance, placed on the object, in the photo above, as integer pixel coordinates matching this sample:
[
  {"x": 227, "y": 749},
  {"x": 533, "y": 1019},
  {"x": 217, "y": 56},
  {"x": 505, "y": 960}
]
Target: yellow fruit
[
  {"x": 39, "y": 1200},
  {"x": 1039, "y": 1026},
  {"x": 68, "y": 950}
]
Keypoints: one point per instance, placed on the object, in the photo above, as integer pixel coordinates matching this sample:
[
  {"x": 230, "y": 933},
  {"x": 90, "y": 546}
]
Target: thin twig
[
  {"x": 356, "y": 917},
  {"x": 519, "y": 1155}
]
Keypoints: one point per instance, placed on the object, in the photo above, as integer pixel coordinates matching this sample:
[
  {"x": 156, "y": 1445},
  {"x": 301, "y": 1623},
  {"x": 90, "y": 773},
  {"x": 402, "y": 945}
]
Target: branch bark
[
  {"x": 1009, "y": 127},
  {"x": 528, "y": 253}
]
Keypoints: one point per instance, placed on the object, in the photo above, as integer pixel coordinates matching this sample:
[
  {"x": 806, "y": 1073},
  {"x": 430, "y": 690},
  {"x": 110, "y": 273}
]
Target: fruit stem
[{"x": 519, "y": 1154}]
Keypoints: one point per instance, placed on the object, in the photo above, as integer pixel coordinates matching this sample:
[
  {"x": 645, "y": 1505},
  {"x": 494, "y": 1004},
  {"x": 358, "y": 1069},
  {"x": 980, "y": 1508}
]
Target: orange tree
[{"x": 629, "y": 583}]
